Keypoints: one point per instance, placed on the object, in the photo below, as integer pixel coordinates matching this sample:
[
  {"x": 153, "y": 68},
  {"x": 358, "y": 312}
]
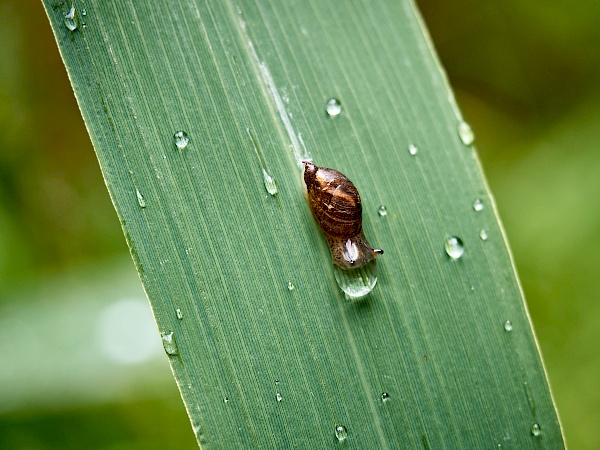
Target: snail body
[{"x": 335, "y": 204}]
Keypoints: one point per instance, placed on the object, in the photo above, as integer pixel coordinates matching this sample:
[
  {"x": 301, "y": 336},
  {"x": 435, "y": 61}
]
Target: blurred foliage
[
  {"x": 525, "y": 75},
  {"x": 141, "y": 425},
  {"x": 54, "y": 208}
]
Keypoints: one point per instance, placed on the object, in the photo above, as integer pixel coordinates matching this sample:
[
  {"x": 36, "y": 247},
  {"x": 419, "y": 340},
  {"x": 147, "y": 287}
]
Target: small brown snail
[{"x": 335, "y": 205}]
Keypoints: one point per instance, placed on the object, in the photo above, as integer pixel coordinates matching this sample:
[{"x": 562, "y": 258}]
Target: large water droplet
[
  {"x": 483, "y": 234},
  {"x": 270, "y": 184},
  {"x": 168, "y": 340},
  {"x": 334, "y": 107},
  {"x": 140, "y": 198},
  {"x": 70, "y": 19},
  {"x": 466, "y": 133},
  {"x": 412, "y": 149},
  {"x": 179, "y": 314},
  {"x": 536, "y": 429},
  {"x": 357, "y": 283},
  {"x": 181, "y": 139},
  {"x": 478, "y": 205},
  {"x": 385, "y": 397},
  {"x": 454, "y": 247},
  {"x": 382, "y": 211},
  {"x": 341, "y": 433},
  {"x": 508, "y": 326}
]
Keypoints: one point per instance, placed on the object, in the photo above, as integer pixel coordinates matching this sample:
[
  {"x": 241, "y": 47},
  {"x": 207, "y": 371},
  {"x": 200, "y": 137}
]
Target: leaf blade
[{"x": 212, "y": 242}]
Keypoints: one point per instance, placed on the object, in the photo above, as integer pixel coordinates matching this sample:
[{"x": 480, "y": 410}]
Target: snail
[{"x": 335, "y": 205}]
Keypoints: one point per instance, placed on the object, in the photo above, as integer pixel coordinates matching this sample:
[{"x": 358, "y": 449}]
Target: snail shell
[{"x": 335, "y": 205}]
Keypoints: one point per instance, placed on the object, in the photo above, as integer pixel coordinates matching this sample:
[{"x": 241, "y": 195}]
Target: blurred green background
[{"x": 526, "y": 77}]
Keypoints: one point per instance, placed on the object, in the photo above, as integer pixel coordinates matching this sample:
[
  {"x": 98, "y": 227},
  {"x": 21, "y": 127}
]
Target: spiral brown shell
[{"x": 335, "y": 205}]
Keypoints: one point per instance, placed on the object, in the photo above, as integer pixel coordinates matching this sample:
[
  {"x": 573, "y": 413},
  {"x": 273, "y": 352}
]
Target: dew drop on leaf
[
  {"x": 333, "y": 107},
  {"x": 70, "y": 19},
  {"x": 270, "y": 184},
  {"x": 140, "y": 198},
  {"x": 169, "y": 344},
  {"x": 181, "y": 139},
  {"x": 341, "y": 433},
  {"x": 465, "y": 133},
  {"x": 454, "y": 247}
]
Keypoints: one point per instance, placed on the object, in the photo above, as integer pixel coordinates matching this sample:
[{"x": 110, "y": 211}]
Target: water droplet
[
  {"x": 179, "y": 313},
  {"x": 334, "y": 107},
  {"x": 341, "y": 433},
  {"x": 168, "y": 340},
  {"x": 483, "y": 234},
  {"x": 270, "y": 185},
  {"x": 382, "y": 211},
  {"x": 454, "y": 247},
  {"x": 465, "y": 133},
  {"x": 181, "y": 139},
  {"x": 291, "y": 288},
  {"x": 385, "y": 397},
  {"x": 70, "y": 19},
  {"x": 225, "y": 399},
  {"x": 140, "y": 198},
  {"x": 508, "y": 326},
  {"x": 412, "y": 149},
  {"x": 279, "y": 397},
  {"x": 478, "y": 205},
  {"x": 83, "y": 13},
  {"x": 357, "y": 283},
  {"x": 536, "y": 430}
]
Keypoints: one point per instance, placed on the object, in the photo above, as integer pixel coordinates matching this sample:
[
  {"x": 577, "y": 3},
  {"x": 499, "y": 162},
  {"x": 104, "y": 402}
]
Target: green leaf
[{"x": 425, "y": 360}]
